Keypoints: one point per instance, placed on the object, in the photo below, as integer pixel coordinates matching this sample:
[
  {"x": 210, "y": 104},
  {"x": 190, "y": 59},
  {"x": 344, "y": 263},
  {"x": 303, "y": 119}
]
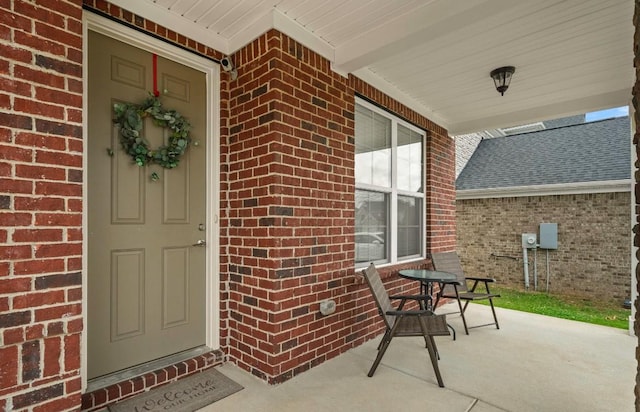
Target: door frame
[{"x": 211, "y": 70}]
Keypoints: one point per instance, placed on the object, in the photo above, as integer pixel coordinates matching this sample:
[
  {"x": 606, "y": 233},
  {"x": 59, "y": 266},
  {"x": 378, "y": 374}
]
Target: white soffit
[
  {"x": 571, "y": 56},
  {"x": 160, "y": 15}
]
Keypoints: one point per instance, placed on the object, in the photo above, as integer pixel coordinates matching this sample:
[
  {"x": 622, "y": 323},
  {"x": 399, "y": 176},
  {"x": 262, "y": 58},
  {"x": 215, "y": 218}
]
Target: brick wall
[
  {"x": 40, "y": 204},
  {"x": 289, "y": 159},
  {"x": 594, "y": 245},
  {"x": 287, "y": 194},
  {"x": 290, "y": 201}
]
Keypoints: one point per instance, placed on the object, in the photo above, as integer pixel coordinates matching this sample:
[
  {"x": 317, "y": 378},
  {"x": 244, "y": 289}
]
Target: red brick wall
[
  {"x": 290, "y": 157},
  {"x": 441, "y": 193},
  {"x": 287, "y": 194},
  {"x": 40, "y": 204}
]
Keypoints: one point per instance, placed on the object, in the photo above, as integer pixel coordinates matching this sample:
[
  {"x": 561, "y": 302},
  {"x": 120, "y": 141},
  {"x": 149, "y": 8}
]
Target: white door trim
[{"x": 211, "y": 69}]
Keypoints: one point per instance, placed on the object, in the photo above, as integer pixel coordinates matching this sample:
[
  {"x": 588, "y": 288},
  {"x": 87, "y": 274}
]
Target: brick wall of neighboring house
[
  {"x": 287, "y": 206},
  {"x": 40, "y": 205},
  {"x": 594, "y": 244}
]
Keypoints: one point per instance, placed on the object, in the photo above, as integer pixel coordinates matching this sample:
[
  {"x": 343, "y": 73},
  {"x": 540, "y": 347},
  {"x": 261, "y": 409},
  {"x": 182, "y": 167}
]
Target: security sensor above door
[{"x": 227, "y": 65}]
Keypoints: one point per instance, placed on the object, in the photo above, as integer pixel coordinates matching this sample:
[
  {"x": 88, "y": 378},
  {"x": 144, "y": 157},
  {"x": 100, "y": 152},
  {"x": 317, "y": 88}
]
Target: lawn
[{"x": 562, "y": 307}]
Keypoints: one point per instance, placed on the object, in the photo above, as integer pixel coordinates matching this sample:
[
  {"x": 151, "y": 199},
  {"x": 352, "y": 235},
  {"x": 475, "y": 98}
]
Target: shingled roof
[{"x": 587, "y": 152}]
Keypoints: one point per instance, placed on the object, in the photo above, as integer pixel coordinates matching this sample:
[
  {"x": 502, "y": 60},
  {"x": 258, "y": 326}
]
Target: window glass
[
  {"x": 409, "y": 226},
  {"x": 373, "y": 148},
  {"x": 371, "y": 226},
  {"x": 390, "y": 200},
  {"x": 410, "y": 174}
]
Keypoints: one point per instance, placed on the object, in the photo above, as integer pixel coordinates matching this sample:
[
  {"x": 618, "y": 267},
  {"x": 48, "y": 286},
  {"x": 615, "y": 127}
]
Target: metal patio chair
[
  {"x": 401, "y": 322},
  {"x": 450, "y": 262}
]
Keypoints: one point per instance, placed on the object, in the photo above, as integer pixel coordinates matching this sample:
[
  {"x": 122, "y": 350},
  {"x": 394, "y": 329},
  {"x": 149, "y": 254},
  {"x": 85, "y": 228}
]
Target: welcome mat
[{"x": 185, "y": 395}]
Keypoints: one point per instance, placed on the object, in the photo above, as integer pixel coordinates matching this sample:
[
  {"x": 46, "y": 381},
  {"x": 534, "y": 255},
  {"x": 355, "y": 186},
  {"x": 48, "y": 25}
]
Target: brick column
[
  {"x": 290, "y": 200},
  {"x": 40, "y": 205}
]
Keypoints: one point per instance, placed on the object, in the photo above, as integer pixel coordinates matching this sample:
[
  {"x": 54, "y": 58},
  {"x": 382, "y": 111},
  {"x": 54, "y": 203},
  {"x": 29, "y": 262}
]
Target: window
[{"x": 390, "y": 201}]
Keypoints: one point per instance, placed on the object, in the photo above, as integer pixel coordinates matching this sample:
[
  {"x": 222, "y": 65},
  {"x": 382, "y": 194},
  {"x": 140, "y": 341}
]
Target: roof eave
[{"x": 605, "y": 186}]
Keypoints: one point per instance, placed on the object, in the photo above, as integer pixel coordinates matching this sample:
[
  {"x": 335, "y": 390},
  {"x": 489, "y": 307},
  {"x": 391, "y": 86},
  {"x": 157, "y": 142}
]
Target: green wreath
[{"x": 130, "y": 118}]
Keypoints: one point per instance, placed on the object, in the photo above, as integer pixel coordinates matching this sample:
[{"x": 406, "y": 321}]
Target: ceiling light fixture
[{"x": 502, "y": 77}]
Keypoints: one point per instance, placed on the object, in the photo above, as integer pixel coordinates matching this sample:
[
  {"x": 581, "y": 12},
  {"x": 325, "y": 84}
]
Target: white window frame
[{"x": 393, "y": 191}]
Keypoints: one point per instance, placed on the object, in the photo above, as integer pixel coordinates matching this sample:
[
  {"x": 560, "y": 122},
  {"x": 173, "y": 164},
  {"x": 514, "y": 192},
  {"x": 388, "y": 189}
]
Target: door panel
[
  {"x": 175, "y": 287},
  {"x": 176, "y": 195},
  {"x": 146, "y": 282},
  {"x": 127, "y": 187},
  {"x": 127, "y": 293}
]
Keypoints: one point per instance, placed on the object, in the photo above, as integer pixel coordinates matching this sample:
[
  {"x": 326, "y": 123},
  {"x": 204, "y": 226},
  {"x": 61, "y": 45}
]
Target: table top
[{"x": 425, "y": 275}]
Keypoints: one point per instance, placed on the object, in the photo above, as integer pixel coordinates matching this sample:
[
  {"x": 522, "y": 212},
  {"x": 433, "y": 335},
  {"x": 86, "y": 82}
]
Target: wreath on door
[{"x": 130, "y": 119}]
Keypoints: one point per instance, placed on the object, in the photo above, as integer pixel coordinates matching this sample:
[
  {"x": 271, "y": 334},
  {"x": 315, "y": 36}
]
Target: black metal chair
[
  {"x": 450, "y": 262},
  {"x": 401, "y": 322}
]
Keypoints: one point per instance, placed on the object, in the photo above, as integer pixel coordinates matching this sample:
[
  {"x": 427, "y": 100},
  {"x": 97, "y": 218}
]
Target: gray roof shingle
[{"x": 586, "y": 152}]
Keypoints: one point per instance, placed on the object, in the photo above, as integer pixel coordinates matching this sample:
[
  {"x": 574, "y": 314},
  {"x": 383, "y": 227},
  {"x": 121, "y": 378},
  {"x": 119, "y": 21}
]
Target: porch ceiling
[{"x": 571, "y": 56}]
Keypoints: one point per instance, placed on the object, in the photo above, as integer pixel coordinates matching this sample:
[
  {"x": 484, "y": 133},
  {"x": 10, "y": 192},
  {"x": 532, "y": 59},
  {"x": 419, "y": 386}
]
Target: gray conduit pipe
[{"x": 525, "y": 260}]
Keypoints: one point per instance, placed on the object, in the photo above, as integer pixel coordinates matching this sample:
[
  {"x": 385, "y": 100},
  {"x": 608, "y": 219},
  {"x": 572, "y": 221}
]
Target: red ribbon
[{"x": 156, "y": 92}]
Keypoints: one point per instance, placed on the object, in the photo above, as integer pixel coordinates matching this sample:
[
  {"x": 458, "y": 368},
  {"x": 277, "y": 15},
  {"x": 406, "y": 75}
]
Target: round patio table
[{"x": 427, "y": 278}]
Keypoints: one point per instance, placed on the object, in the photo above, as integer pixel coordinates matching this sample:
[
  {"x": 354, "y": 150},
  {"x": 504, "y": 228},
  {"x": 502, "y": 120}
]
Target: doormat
[{"x": 185, "y": 395}]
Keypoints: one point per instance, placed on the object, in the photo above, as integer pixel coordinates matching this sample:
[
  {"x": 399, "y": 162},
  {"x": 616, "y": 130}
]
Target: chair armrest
[
  {"x": 410, "y": 297},
  {"x": 476, "y": 280},
  {"x": 405, "y": 298},
  {"x": 409, "y": 313},
  {"x": 481, "y": 279}
]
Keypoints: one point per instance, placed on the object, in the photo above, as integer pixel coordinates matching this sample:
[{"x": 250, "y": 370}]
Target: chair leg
[
  {"x": 433, "y": 343},
  {"x": 384, "y": 337},
  {"x": 453, "y": 331},
  {"x": 381, "y": 352},
  {"x": 493, "y": 310},
  {"x": 433, "y": 354},
  {"x": 384, "y": 344},
  {"x": 494, "y": 313},
  {"x": 464, "y": 321},
  {"x": 434, "y": 362},
  {"x": 435, "y": 305},
  {"x": 426, "y": 345}
]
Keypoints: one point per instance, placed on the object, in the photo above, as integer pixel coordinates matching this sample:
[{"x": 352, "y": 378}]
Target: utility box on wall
[{"x": 548, "y": 235}]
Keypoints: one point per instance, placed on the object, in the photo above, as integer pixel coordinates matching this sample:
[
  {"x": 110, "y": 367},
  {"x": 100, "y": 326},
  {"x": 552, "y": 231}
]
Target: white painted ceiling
[{"x": 571, "y": 56}]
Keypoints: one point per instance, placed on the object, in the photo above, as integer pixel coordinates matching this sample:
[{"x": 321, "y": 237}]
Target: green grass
[{"x": 563, "y": 307}]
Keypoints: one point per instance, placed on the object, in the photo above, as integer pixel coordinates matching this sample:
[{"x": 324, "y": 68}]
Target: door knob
[{"x": 200, "y": 243}]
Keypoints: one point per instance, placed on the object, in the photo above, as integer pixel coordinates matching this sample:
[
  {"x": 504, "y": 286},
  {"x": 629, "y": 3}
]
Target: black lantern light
[{"x": 502, "y": 77}]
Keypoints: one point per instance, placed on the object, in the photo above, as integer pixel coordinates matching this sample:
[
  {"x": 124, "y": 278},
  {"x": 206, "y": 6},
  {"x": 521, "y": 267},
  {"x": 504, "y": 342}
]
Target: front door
[{"x": 146, "y": 266}]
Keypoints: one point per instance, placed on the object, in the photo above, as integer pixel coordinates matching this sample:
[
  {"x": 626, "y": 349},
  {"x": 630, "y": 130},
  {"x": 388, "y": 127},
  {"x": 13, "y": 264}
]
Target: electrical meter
[{"x": 529, "y": 240}]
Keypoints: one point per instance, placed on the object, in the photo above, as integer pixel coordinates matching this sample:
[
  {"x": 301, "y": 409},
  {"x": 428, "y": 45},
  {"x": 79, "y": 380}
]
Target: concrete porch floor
[{"x": 533, "y": 363}]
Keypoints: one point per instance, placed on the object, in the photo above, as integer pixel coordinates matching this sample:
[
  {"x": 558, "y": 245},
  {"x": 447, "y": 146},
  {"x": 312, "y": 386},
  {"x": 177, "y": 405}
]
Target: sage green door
[{"x": 146, "y": 279}]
